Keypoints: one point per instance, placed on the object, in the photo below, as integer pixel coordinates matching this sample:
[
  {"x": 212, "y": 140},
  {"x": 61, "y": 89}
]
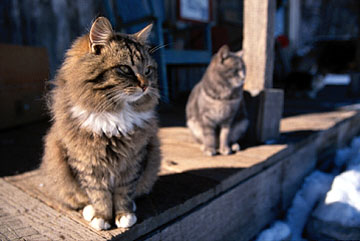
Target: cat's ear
[
  {"x": 143, "y": 35},
  {"x": 240, "y": 53},
  {"x": 224, "y": 52},
  {"x": 100, "y": 33}
]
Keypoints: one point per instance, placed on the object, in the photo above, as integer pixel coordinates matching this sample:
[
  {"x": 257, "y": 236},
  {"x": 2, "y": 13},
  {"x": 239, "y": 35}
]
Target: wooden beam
[
  {"x": 258, "y": 44},
  {"x": 263, "y": 103}
]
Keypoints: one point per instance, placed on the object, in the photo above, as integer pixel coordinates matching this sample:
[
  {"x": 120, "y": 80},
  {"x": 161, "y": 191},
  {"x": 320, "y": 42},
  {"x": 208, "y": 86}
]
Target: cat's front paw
[
  {"x": 225, "y": 150},
  {"x": 235, "y": 147},
  {"x": 88, "y": 213},
  {"x": 208, "y": 151},
  {"x": 125, "y": 220},
  {"x": 96, "y": 223},
  {"x": 99, "y": 224}
]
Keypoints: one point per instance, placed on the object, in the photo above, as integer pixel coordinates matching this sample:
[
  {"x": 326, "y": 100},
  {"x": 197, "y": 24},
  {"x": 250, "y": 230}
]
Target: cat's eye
[
  {"x": 124, "y": 69},
  {"x": 148, "y": 70}
]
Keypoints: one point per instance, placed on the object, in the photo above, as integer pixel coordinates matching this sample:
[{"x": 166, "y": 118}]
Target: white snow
[
  {"x": 346, "y": 189},
  {"x": 344, "y": 196},
  {"x": 314, "y": 188},
  {"x": 344, "y": 193}
]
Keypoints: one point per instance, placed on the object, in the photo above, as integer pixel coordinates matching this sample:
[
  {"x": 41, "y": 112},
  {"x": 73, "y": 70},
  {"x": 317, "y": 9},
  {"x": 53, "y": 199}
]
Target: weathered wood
[
  {"x": 270, "y": 113},
  {"x": 233, "y": 216},
  {"x": 315, "y": 121},
  {"x": 25, "y": 218},
  {"x": 182, "y": 154},
  {"x": 196, "y": 193},
  {"x": 265, "y": 112},
  {"x": 258, "y": 44},
  {"x": 347, "y": 130},
  {"x": 295, "y": 169},
  {"x": 172, "y": 196}
]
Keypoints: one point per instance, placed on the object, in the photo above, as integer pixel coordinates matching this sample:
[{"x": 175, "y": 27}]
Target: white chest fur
[{"x": 112, "y": 123}]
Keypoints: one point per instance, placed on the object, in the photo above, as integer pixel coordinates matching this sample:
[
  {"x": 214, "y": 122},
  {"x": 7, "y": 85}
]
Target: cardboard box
[{"x": 23, "y": 73}]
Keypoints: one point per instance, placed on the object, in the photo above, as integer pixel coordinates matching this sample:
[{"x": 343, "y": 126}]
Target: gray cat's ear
[
  {"x": 143, "y": 35},
  {"x": 100, "y": 33},
  {"x": 224, "y": 52},
  {"x": 240, "y": 53}
]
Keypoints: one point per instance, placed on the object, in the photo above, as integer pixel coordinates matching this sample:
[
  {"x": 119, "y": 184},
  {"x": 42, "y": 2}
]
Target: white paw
[
  {"x": 209, "y": 151},
  {"x": 235, "y": 147},
  {"x": 225, "y": 151},
  {"x": 126, "y": 221},
  {"x": 88, "y": 213},
  {"x": 99, "y": 224}
]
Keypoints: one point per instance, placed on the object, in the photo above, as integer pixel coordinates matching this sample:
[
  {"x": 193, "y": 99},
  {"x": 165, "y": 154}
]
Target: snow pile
[
  {"x": 337, "y": 216},
  {"x": 346, "y": 189},
  {"x": 314, "y": 188}
]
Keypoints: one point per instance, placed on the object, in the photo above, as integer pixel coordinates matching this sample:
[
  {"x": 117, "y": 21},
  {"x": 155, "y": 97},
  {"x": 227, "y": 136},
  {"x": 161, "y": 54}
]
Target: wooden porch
[{"x": 196, "y": 197}]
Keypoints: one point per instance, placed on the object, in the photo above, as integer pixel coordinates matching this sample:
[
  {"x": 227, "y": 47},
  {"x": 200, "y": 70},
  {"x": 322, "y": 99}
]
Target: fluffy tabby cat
[
  {"x": 102, "y": 149},
  {"x": 215, "y": 110}
]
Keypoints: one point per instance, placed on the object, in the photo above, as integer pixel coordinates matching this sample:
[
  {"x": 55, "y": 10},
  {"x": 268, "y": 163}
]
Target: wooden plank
[
  {"x": 190, "y": 182},
  {"x": 232, "y": 216},
  {"x": 182, "y": 154},
  {"x": 172, "y": 196},
  {"x": 347, "y": 130},
  {"x": 295, "y": 168},
  {"x": 315, "y": 121},
  {"x": 25, "y": 218}
]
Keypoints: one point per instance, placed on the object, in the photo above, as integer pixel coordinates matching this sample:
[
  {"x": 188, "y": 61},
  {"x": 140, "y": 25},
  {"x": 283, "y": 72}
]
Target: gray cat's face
[{"x": 231, "y": 66}]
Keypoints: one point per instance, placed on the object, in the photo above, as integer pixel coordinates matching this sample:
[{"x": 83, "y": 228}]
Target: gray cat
[{"x": 215, "y": 110}]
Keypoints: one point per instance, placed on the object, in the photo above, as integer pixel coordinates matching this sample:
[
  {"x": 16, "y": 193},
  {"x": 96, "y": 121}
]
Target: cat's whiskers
[
  {"x": 102, "y": 106},
  {"x": 156, "y": 48},
  {"x": 153, "y": 92},
  {"x": 111, "y": 99}
]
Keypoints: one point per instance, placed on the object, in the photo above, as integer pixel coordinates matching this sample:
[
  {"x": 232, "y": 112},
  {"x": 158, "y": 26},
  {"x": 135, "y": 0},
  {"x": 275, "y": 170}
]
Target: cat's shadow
[{"x": 173, "y": 190}]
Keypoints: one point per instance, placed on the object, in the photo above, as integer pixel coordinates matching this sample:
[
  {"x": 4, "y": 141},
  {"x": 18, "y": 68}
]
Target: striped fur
[{"x": 102, "y": 150}]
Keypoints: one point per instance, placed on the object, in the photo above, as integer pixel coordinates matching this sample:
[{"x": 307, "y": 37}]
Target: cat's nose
[{"x": 143, "y": 82}]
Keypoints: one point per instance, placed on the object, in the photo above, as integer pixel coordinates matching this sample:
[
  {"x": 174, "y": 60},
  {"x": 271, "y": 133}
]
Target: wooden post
[{"x": 264, "y": 104}]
